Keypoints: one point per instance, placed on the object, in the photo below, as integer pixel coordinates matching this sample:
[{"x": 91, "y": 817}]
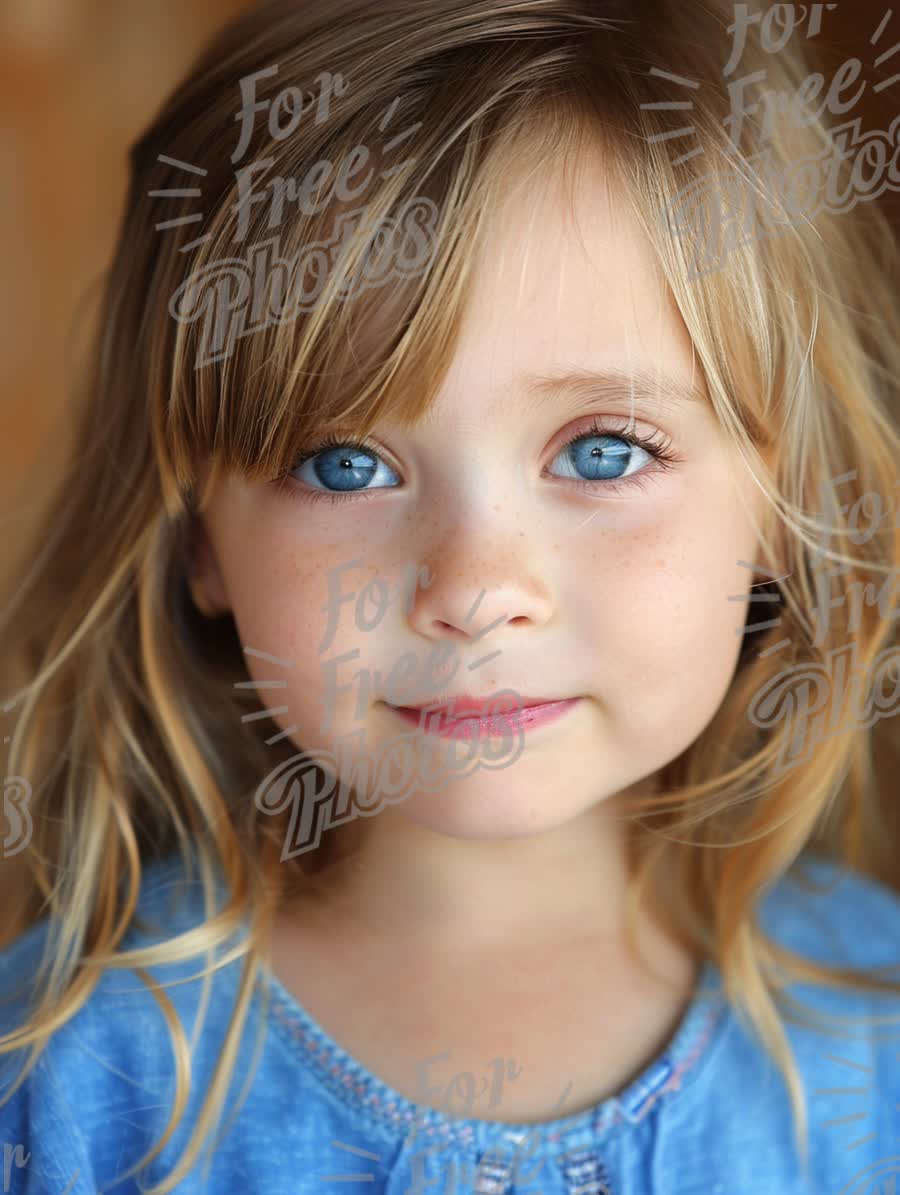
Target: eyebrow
[{"x": 644, "y": 389}]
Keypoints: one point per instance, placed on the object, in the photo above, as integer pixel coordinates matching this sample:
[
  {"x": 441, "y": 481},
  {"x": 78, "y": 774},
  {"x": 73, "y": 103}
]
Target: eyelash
[{"x": 657, "y": 445}]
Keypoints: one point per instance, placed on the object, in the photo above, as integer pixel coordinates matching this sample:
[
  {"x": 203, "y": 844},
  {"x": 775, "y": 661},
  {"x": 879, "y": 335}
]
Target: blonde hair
[{"x": 130, "y": 726}]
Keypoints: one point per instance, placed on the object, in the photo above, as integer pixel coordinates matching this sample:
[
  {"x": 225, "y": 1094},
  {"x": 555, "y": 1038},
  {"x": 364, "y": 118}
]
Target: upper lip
[{"x": 477, "y": 705}]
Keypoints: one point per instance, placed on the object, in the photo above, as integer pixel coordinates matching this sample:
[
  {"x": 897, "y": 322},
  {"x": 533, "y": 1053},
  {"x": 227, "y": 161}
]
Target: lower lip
[{"x": 515, "y": 721}]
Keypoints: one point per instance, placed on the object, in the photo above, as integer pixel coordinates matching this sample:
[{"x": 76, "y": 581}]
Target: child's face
[{"x": 615, "y": 591}]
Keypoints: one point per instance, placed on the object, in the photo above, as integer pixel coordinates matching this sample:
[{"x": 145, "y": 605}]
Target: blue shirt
[{"x": 709, "y": 1116}]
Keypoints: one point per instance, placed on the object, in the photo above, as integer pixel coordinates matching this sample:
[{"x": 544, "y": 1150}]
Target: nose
[{"x": 476, "y": 599}]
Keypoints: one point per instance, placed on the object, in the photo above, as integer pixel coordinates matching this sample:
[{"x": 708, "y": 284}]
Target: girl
[{"x": 453, "y": 695}]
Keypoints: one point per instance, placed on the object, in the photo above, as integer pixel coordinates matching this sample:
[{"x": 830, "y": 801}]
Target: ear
[{"x": 203, "y": 572}]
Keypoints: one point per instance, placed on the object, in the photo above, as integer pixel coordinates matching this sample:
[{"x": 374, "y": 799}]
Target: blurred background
[{"x": 79, "y": 81}]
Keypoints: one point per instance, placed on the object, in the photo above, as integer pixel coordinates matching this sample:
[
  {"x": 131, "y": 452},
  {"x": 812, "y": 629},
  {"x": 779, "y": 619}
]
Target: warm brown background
[{"x": 79, "y": 80}]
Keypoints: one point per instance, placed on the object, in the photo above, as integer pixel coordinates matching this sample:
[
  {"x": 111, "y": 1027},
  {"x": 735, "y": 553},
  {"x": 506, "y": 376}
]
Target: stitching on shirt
[
  {"x": 673, "y": 1083},
  {"x": 352, "y": 1081}
]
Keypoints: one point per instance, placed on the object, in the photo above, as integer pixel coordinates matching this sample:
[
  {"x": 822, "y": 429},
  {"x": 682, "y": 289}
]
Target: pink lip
[
  {"x": 464, "y": 705},
  {"x": 437, "y": 721}
]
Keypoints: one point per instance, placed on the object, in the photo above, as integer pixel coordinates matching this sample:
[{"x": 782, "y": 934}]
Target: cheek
[
  {"x": 278, "y": 606},
  {"x": 293, "y": 629},
  {"x": 665, "y": 632}
]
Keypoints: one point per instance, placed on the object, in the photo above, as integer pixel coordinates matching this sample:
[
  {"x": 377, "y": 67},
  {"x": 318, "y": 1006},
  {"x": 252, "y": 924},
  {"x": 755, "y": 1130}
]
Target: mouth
[
  {"x": 466, "y": 706},
  {"x": 467, "y": 717}
]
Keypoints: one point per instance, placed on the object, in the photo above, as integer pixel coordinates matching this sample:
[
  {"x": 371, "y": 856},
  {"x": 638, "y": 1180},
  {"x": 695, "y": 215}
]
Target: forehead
[{"x": 564, "y": 280}]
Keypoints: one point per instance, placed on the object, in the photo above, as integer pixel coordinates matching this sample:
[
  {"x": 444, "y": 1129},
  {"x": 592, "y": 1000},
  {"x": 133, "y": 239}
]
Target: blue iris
[
  {"x": 600, "y": 457},
  {"x": 344, "y": 468},
  {"x": 347, "y": 467}
]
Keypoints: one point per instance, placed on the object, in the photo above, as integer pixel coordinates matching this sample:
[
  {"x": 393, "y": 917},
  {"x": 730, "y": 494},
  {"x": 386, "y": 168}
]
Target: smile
[{"x": 467, "y": 722}]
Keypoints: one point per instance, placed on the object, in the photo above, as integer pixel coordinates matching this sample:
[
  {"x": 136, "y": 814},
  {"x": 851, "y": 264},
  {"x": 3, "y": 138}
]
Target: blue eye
[
  {"x": 601, "y": 457},
  {"x": 346, "y": 468},
  {"x": 598, "y": 459}
]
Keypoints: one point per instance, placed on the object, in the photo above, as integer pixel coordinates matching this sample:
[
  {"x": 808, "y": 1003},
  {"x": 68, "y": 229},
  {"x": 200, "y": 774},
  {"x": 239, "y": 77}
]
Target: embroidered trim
[
  {"x": 492, "y": 1177},
  {"x": 585, "y": 1174},
  {"x": 352, "y": 1084}
]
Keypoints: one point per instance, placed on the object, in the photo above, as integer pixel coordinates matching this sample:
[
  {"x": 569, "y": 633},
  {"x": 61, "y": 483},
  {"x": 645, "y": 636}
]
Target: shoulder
[
  {"x": 112, "y": 1059},
  {"x": 845, "y": 1056},
  {"x": 171, "y": 902},
  {"x": 830, "y": 913}
]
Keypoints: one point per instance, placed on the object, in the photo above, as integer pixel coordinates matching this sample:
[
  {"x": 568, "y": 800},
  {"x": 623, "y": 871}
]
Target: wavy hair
[{"x": 130, "y": 728}]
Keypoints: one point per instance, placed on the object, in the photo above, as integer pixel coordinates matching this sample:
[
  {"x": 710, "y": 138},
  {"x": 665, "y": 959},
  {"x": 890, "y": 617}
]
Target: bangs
[
  {"x": 335, "y": 320},
  {"x": 329, "y": 292}
]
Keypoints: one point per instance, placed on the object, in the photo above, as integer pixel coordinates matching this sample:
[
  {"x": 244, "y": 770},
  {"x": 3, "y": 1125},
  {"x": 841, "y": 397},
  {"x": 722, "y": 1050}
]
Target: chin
[{"x": 496, "y": 808}]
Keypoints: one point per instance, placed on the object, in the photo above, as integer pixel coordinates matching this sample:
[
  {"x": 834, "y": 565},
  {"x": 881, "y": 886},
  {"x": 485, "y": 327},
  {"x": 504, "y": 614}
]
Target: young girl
[{"x": 452, "y": 707}]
